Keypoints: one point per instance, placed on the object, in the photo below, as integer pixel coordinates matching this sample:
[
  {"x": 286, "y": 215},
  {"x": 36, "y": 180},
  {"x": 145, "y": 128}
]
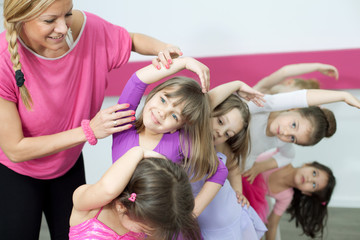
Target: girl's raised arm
[
  {"x": 294, "y": 70},
  {"x": 220, "y": 93},
  {"x": 111, "y": 184},
  {"x": 318, "y": 96},
  {"x": 150, "y": 75}
]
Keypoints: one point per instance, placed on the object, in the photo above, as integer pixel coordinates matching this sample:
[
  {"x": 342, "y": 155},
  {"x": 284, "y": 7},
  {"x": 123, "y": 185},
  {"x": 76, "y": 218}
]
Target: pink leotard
[{"x": 95, "y": 230}]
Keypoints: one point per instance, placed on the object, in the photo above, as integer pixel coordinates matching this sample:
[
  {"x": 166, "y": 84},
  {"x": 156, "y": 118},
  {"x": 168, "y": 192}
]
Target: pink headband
[
  {"x": 323, "y": 203},
  {"x": 132, "y": 197}
]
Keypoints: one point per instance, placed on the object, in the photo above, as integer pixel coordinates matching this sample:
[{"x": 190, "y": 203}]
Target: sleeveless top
[{"x": 93, "y": 229}]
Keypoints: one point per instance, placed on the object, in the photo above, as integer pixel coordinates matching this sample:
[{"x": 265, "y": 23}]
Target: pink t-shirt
[
  {"x": 64, "y": 90},
  {"x": 283, "y": 198}
]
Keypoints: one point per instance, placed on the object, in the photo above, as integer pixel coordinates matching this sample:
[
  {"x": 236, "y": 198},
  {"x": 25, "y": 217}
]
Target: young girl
[
  {"x": 178, "y": 103},
  {"x": 282, "y": 80},
  {"x": 304, "y": 192},
  {"x": 224, "y": 217},
  {"x": 140, "y": 194},
  {"x": 277, "y": 128}
]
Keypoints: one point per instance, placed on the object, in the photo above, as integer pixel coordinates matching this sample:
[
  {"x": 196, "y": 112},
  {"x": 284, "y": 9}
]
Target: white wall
[
  {"x": 229, "y": 27},
  {"x": 214, "y": 28}
]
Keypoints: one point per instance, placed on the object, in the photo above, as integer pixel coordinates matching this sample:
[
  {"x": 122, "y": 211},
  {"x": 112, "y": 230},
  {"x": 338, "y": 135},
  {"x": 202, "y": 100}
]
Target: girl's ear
[{"x": 120, "y": 207}]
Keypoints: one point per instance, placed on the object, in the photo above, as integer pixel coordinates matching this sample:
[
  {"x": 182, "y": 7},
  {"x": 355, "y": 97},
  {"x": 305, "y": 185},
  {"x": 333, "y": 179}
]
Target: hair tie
[
  {"x": 323, "y": 203},
  {"x": 19, "y": 77},
  {"x": 132, "y": 197}
]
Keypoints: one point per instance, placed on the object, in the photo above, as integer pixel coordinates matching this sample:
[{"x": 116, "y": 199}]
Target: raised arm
[
  {"x": 220, "y": 93},
  {"x": 147, "y": 45},
  {"x": 111, "y": 184},
  {"x": 318, "y": 96},
  {"x": 150, "y": 75},
  {"x": 294, "y": 70}
]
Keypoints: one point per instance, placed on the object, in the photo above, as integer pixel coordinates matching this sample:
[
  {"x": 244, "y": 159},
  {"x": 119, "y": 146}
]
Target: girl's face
[
  {"x": 291, "y": 127},
  {"x": 226, "y": 126},
  {"x": 161, "y": 116},
  {"x": 46, "y": 34},
  {"x": 309, "y": 179}
]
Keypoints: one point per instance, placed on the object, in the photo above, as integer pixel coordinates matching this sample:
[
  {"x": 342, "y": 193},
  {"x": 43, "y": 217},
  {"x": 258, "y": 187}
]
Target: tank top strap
[
  {"x": 69, "y": 38},
  {"x": 97, "y": 215}
]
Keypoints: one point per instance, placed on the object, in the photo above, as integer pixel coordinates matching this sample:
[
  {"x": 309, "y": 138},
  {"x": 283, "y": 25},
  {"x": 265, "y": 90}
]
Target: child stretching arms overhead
[
  {"x": 140, "y": 194},
  {"x": 175, "y": 122}
]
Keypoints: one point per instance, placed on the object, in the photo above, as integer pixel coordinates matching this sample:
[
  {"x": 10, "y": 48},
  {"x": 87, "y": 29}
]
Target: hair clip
[
  {"x": 323, "y": 203},
  {"x": 132, "y": 197}
]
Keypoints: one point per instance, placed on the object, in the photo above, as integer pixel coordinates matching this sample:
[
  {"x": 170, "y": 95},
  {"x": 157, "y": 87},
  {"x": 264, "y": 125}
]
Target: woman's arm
[
  {"x": 147, "y": 45},
  {"x": 205, "y": 196},
  {"x": 111, "y": 184},
  {"x": 273, "y": 223},
  {"x": 19, "y": 148},
  {"x": 150, "y": 75},
  {"x": 220, "y": 93},
  {"x": 294, "y": 70}
]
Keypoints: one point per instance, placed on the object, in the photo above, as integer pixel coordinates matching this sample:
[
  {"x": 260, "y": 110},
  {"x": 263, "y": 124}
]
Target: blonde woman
[{"x": 53, "y": 63}]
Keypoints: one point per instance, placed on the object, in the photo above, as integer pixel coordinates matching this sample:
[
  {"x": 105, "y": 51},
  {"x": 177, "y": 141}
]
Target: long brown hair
[
  {"x": 240, "y": 142},
  {"x": 310, "y": 212},
  {"x": 16, "y": 12},
  {"x": 163, "y": 198},
  {"x": 195, "y": 136}
]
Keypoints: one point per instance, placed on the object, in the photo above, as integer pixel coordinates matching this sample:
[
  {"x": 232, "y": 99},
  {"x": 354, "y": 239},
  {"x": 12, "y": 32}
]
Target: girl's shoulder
[{"x": 77, "y": 217}]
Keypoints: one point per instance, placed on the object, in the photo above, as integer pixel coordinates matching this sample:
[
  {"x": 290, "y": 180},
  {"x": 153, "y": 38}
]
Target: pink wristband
[{"x": 89, "y": 134}]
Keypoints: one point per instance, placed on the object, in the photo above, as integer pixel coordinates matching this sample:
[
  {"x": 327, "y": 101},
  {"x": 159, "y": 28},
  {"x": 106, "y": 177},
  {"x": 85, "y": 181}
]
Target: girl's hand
[
  {"x": 329, "y": 70},
  {"x": 166, "y": 55},
  {"x": 242, "y": 199},
  {"x": 201, "y": 70},
  {"x": 253, "y": 172},
  {"x": 250, "y": 94},
  {"x": 111, "y": 120},
  {"x": 351, "y": 100}
]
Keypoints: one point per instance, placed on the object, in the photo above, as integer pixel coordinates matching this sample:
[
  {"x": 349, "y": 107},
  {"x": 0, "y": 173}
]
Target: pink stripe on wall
[{"x": 253, "y": 67}]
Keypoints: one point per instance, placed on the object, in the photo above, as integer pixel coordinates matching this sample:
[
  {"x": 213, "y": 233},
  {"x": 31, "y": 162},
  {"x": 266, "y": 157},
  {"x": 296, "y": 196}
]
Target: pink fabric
[
  {"x": 64, "y": 90},
  {"x": 257, "y": 191},
  {"x": 253, "y": 67},
  {"x": 95, "y": 230}
]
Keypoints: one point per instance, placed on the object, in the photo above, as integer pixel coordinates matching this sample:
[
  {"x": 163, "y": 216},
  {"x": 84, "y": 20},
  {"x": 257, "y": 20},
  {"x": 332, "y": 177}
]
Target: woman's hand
[
  {"x": 166, "y": 55},
  {"x": 250, "y": 94},
  {"x": 112, "y": 120}
]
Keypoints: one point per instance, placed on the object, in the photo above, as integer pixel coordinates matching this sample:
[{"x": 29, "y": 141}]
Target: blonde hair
[
  {"x": 195, "y": 136},
  {"x": 16, "y": 12},
  {"x": 306, "y": 83},
  {"x": 239, "y": 143}
]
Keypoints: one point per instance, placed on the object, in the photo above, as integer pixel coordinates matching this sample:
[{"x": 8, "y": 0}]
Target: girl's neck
[{"x": 149, "y": 140}]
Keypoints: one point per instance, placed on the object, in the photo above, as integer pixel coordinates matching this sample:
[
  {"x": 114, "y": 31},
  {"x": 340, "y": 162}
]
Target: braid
[{"x": 12, "y": 30}]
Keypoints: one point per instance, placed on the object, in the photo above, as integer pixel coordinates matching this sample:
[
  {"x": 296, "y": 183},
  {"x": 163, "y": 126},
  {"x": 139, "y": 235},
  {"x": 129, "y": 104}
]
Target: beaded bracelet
[{"x": 89, "y": 134}]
